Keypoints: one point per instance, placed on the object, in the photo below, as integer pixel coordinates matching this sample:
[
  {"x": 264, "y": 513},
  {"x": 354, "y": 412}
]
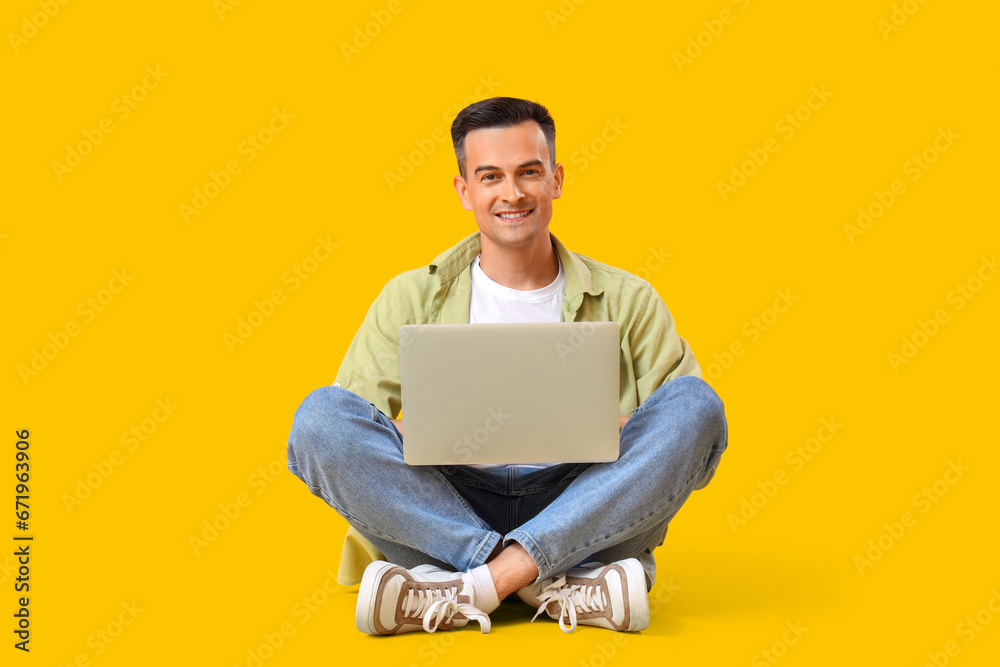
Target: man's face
[{"x": 509, "y": 183}]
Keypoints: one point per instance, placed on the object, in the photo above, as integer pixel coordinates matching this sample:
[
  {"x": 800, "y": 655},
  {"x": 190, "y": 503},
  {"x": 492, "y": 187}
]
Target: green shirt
[{"x": 439, "y": 293}]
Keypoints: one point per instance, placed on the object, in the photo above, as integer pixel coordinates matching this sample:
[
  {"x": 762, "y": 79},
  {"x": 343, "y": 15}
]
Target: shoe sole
[
  {"x": 364, "y": 615},
  {"x": 638, "y": 597}
]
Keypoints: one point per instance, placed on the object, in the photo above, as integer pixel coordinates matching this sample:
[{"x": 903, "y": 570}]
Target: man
[{"x": 573, "y": 540}]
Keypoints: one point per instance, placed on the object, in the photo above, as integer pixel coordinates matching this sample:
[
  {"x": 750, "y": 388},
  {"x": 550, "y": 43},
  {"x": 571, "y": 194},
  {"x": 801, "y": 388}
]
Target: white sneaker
[
  {"x": 607, "y": 596},
  {"x": 393, "y": 600}
]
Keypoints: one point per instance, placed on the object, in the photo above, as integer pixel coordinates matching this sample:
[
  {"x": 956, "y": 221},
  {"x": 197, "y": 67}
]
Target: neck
[{"x": 523, "y": 268}]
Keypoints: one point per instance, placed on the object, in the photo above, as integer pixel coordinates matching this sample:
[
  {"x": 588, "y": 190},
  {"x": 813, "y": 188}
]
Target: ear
[
  {"x": 463, "y": 192},
  {"x": 558, "y": 174}
]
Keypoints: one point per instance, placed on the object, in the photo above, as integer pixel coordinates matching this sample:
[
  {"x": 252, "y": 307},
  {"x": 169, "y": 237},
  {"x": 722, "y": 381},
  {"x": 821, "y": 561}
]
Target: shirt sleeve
[
  {"x": 658, "y": 353},
  {"x": 371, "y": 366}
]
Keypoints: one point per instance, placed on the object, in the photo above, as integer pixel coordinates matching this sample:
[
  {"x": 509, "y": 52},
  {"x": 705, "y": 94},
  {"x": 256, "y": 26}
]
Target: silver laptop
[{"x": 509, "y": 393}]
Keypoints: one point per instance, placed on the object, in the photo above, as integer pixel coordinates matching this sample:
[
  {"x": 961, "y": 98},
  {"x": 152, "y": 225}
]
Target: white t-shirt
[{"x": 493, "y": 302}]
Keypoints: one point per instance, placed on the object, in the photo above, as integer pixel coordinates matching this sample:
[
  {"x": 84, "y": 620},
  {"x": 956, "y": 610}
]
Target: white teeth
[{"x": 511, "y": 216}]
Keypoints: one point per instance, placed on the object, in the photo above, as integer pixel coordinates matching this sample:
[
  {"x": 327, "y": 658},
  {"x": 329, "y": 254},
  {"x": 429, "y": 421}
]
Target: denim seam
[
  {"x": 536, "y": 489},
  {"x": 485, "y": 549},
  {"x": 534, "y": 551},
  {"x": 353, "y": 520},
  {"x": 481, "y": 486},
  {"x": 600, "y": 543},
  {"x": 468, "y": 508}
]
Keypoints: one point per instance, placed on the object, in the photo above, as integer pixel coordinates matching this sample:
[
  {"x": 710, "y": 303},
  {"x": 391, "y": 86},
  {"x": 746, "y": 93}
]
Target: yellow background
[{"x": 652, "y": 189}]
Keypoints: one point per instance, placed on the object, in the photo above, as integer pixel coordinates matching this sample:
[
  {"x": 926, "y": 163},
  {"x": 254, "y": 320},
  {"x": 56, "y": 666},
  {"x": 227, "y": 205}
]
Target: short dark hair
[{"x": 500, "y": 112}]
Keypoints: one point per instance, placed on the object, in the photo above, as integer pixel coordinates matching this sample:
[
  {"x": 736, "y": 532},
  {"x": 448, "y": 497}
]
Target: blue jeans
[{"x": 350, "y": 455}]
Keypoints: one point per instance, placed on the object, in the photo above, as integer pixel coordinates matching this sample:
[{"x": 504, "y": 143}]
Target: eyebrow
[{"x": 489, "y": 167}]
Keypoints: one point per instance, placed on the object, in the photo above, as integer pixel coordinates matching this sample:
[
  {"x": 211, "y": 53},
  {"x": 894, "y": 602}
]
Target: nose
[{"x": 511, "y": 192}]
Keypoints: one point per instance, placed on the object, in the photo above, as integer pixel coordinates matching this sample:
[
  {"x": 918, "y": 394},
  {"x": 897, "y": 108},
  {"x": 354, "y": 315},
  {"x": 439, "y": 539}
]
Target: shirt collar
[{"x": 453, "y": 261}]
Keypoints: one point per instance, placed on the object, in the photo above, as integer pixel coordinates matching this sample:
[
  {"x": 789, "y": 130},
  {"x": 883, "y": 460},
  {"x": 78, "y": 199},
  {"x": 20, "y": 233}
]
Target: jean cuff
[
  {"x": 528, "y": 543},
  {"x": 485, "y": 549}
]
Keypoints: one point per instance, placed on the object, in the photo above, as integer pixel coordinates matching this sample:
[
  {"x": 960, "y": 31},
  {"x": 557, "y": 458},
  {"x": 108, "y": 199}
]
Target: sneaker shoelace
[
  {"x": 570, "y": 598},
  {"x": 439, "y": 606}
]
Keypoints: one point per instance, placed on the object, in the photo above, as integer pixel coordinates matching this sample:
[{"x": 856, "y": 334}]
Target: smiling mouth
[{"x": 514, "y": 216}]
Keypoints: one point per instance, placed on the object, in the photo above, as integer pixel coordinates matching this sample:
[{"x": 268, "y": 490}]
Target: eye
[
  {"x": 530, "y": 172},
  {"x": 489, "y": 177}
]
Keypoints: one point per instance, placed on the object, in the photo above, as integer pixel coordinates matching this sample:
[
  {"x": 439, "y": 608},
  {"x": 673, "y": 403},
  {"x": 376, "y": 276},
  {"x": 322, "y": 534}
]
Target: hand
[
  {"x": 399, "y": 426},
  {"x": 622, "y": 420}
]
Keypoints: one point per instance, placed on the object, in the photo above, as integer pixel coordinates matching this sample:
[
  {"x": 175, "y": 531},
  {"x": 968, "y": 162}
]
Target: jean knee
[
  {"x": 329, "y": 402},
  {"x": 691, "y": 390},
  {"x": 317, "y": 422},
  {"x": 709, "y": 415},
  {"x": 706, "y": 405},
  {"x": 696, "y": 410}
]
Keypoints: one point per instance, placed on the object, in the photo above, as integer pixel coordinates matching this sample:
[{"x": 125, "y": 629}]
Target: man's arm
[
  {"x": 658, "y": 353},
  {"x": 370, "y": 367}
]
